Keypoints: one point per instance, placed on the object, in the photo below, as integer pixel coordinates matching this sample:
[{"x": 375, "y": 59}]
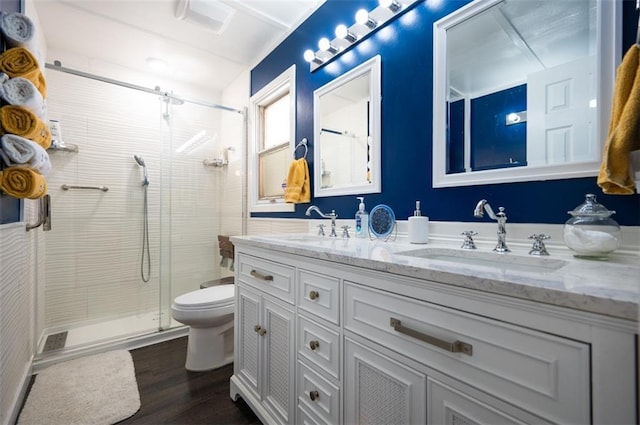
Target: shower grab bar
[
  {"x": 67, "y": 187},
  {"x": 44, "y": 214}
]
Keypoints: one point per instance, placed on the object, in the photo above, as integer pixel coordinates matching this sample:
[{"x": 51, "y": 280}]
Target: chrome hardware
[
  {"x": 314, "y": 344},
  {"x": 314, "y": 295},
  {"x": 320, "y": 229},
  {"x": 258, "y": 275},
  {"x": 500, "y": 217},
  {"x": 44, "y": 214},
  {"x": 345, "y": 231},
  {"x": 260, "y": 330},
  {"x": 468, "y": 239},
  {"x": 538, "y": 247},
  {"x": 331, "y": 215},
  {"x": 453, "y": 347},
  {"x": 314, "y": 395},
  {"x": 67, "y": 187}
]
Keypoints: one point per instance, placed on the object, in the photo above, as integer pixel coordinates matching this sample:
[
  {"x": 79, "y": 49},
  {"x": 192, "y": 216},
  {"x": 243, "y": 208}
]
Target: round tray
[{"x": 382, "y": 221}]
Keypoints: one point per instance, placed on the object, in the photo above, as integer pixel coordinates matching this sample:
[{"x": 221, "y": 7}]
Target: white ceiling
[{"x": 127, "y": 32}]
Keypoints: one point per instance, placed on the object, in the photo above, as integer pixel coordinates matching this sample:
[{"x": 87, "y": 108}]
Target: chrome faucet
[
  {"x": 500, "y": 217},
  {"x": 331, "y": 215}
]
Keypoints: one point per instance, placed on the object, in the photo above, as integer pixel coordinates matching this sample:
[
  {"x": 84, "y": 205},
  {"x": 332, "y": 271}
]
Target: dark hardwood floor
[{"x": 171, "y": 395}]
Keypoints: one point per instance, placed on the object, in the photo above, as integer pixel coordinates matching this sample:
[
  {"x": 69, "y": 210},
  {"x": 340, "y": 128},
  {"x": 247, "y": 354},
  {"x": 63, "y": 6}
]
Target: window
[{"x": 272, "y": 119}]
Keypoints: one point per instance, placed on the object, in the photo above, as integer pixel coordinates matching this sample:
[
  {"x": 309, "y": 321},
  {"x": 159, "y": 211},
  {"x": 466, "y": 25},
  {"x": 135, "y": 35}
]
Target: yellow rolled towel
[
  {"x": 21, "y": 182},
  {"x": 298, "y": 188},
  {"x": 22, "y": 122},
  {"x": 20, "y": 62}
]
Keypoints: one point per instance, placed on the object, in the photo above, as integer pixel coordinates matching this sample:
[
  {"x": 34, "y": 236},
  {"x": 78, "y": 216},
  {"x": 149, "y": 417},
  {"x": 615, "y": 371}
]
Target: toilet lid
[{"x": 211, "y": 297}]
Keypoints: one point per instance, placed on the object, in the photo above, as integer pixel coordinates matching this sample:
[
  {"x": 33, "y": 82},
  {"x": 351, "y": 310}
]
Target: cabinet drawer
[
  {"x": 273, "y": 278},
  {"x": 318, "y": 395},
  {"x": 320, "y": 345},
  {"x": 319, "y": 294},
  {"x": 540, "y": 373}
]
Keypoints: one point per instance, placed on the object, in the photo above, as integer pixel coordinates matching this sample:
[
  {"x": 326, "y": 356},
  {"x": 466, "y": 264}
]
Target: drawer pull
[
  {"x": 260, "y": 330},
  {"x": 314, "y": 295},
  {"x": 314, "y": 344},
  {"x": 314, "y": 395},
  {"x": 454, "y": 347},
  {"x": 258, "y": 275}
]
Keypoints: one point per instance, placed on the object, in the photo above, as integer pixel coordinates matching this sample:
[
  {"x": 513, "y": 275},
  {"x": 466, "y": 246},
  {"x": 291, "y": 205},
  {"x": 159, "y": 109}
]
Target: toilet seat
[{"x": 215, "y": 296}]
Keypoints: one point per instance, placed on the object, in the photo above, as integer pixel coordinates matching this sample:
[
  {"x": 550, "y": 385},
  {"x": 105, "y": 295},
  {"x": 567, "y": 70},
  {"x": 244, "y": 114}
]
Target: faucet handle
[
  {"x": 538, "y": 247},
  {"x": 468, "y": 239},
  {"x": 345, "y": 231},
  {"x": 320, "y": 229}
]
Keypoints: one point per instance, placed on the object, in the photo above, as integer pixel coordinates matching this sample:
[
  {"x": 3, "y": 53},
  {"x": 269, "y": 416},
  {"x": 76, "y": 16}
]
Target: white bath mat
[{"x": 93, "y": 390}]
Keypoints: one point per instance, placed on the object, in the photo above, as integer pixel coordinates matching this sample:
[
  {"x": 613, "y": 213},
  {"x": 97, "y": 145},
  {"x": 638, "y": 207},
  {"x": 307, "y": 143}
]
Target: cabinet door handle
[
  {"x": 260, "y": 330},
  {"x": 314, "y": 395},
  {"x": 314, "y": 295},
  {"x": 314, "y": 344},
  {"x": 258, "y": 275},
  {"x": 454, "y": 347}
]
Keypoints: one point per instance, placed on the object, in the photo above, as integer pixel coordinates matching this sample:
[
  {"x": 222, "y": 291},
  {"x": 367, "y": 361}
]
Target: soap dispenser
[
  {"x": 418, "y": 226},
  {"x": 362, "y": 219}
]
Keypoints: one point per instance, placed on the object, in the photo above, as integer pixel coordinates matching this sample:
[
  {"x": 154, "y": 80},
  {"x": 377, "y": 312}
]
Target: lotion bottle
[
  {"x": 362, "y": 219},
  {"x": 418, "y": 227}
]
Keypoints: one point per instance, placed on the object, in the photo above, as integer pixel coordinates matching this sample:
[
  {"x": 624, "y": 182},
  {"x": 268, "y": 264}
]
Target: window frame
[{"x": 283, "y": 83}]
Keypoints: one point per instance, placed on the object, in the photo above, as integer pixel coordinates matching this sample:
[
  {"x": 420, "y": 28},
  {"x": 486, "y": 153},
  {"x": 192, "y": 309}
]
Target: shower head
[{"x": 140, "y": 161}]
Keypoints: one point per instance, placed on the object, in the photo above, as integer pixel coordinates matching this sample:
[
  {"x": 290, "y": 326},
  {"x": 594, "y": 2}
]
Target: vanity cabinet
[
  {"x": 360, "y": 346},
  {"x": 265, "y": 337}
]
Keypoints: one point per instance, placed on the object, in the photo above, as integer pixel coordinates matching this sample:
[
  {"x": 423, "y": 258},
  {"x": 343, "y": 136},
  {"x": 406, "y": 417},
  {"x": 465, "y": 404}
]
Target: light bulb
[
  {"x": 324, "y": 44},
  {"x": 343, "y": 32},
  {"x": 309, "y": 55},
  {"x": 362, "y": 18},
  {"x": 390, "y": 4}
]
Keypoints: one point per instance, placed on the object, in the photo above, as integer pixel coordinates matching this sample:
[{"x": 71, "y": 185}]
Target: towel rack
[
  {"x": 638, "y": 33},
  {"x": 67, "y": 187},
  {"x": 44, "y": 214},
  {"x": 302, "y": 143}
]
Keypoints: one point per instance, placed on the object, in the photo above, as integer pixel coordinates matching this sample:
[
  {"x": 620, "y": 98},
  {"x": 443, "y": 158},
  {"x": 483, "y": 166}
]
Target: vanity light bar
[{"x": 365, "y": 23}]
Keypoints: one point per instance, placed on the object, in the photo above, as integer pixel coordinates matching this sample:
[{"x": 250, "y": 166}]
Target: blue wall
[{"x": 405, "y": 46}]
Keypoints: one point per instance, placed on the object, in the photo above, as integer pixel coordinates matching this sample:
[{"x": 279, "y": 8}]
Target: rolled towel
[
  {"x": 21, "y": 152},
  {"x": 19, "y": 62},
  {"x": 22, "y": 183},
  {"x": 21, "y": 92},
  {"x": 19, "y": 31},
  {"x": 20, "y": 121}
]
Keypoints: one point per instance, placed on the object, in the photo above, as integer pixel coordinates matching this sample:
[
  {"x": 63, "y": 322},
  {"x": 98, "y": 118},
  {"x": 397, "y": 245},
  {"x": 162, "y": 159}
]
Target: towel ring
[{"x": 302, "y": 143}]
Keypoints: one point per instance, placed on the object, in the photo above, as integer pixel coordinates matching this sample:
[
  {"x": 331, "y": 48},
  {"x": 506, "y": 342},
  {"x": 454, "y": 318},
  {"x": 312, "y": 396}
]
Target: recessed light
[{"x": 157, "y": 64}]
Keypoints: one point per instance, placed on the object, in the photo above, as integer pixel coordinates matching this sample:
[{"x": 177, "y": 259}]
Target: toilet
[{"x": 209, "y": 314}]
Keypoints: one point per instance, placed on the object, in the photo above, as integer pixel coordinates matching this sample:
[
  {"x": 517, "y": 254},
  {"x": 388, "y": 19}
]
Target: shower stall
[{"x": 116, "y": 257}]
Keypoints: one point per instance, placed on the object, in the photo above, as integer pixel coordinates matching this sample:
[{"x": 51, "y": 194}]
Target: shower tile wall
[{"x": 93, "y": 253}]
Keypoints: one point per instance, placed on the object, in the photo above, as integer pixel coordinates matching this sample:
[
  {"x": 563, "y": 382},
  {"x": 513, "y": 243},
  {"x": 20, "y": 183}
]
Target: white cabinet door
[
  {"x": 379, "y": 390},
  {"x": 279, "y": 361},
  {"x": 248, "y": 305},
  {"x": 265, "y": 353}
]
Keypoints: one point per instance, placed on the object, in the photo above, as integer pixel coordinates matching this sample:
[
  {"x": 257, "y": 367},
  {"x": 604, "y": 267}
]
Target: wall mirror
[
  {"x": 346, "y": 126},
  {"x": 522, "y": 90}
]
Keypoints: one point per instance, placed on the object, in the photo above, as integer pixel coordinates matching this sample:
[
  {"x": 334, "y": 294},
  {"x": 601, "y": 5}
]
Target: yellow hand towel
[
  {"x": 298, "y": 186},
  {"x": 624, "y": 129},
  {"x": 20, "y": 62},
  {"x": 22, "y": 122},
  {"x": 21, "y": 182}
]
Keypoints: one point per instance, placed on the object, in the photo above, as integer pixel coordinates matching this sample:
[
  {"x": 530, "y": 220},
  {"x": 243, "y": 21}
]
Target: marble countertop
[{"x": 609, "y": 287}]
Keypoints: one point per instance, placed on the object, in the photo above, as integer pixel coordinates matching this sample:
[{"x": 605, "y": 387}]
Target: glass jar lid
[{"x": 591, "y": 208}]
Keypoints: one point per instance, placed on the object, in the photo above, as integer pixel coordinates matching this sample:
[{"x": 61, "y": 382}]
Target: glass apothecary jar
[{"x": 591, "y": 232}]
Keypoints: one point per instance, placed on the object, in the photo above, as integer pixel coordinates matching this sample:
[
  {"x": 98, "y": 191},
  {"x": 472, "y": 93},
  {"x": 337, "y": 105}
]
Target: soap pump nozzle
[
  {"x": 361, "y": 205},
  {"x": 417, "y": 212}
]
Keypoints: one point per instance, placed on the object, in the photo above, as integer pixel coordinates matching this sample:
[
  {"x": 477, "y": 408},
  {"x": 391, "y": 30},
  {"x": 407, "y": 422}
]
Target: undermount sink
[{"x": 488, "y": 259}]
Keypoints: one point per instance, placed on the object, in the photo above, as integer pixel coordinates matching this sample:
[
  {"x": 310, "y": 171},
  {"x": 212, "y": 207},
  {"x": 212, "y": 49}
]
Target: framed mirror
[
  {"x": 346, "y": 128},
  {"x": 522, "y": 90}
]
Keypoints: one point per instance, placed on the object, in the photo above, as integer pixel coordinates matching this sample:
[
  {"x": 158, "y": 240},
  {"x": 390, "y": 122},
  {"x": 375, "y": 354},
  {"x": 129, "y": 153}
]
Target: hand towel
[
  {"x": 19, "y": 31},
  {"x": 19, "y": 62},
  {"x": 22, "y": 122},
  {"x": 298, "y": 185},
  {"x": 21, "y": 92},
  {"x": 615, "y": 175},
  {"x": 21, "y": 152},
  {"x": 22, "y": 183}
]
